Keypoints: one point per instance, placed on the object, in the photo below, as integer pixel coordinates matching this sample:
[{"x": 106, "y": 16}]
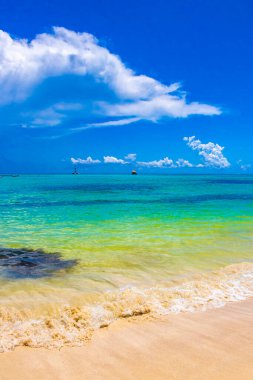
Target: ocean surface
[{"x": 78, "y": 252}]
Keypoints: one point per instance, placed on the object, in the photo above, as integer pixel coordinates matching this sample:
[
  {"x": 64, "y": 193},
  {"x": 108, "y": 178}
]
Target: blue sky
[{"x": 124, "y": 77}]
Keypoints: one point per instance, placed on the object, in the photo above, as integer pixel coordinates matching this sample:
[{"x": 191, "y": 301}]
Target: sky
[{"x": 111, "y": 86}]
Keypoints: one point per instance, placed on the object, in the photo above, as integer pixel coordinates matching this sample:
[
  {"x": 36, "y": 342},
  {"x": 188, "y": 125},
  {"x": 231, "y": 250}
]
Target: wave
[{"x": 74, "y": 324}]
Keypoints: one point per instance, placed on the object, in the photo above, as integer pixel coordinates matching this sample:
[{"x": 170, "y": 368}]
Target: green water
[
  {"x": 128, "y": 245},
  {"x": 130, "y": 229}
]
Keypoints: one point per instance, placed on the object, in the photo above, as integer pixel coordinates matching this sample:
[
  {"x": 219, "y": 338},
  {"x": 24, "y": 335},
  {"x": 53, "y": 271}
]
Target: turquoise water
[
  {"x": 131, "y": 224},
  {"x": 119, "y": 231}
]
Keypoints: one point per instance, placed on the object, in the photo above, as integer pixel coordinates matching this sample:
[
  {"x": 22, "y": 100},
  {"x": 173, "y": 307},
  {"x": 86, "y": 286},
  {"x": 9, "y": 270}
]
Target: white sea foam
[{"x": 74, "y": 324}]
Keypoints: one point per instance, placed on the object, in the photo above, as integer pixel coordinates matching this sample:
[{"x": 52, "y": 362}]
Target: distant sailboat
[
  {"x": 75, "y": 171},
  {"x": 134, "y": 172}
]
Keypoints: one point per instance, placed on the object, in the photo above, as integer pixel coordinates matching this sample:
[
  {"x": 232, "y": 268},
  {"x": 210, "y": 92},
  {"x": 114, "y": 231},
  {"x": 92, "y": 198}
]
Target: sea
[{"x": 78, "y": 252}]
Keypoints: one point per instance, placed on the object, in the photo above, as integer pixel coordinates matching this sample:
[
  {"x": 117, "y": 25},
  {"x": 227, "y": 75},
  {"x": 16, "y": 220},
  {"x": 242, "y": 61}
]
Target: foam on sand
[{"x": 73, "y": 324}]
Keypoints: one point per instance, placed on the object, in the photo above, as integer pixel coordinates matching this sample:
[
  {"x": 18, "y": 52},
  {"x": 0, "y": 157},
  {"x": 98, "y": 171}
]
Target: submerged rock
[{"x": 25, "y": 263}]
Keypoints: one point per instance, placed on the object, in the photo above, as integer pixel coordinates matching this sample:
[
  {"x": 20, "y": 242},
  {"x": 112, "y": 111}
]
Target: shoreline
[
  {"x": 64, "y": 325},
  {"x": 215, "y": 344}
]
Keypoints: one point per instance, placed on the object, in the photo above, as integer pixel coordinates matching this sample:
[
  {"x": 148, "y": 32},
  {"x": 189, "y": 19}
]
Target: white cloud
[
  {"x": 243, "y": 166},
  {"x": 114, "y": 160},
  {"x": 131, "y": 156},
  {"x": 111, "y": 123},
  {"x": 51, "y": 116},
  {"x": 181, "y": 163},
  {"x": 211, "y": 153},
  {"x": 157, "y": 107},
  {"x": 25, "y": 64},
  {"x": 48, "y": 117},
  {"x": 87, "y": 161},
  {"x": 67, "y": 52},
  {"x": 167, "y": 163},
  {"x": 163, "y": 163}
]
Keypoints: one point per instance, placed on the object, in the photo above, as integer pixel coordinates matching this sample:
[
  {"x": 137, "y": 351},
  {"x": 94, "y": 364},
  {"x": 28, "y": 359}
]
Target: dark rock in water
[{"x": 24, "y": 263}]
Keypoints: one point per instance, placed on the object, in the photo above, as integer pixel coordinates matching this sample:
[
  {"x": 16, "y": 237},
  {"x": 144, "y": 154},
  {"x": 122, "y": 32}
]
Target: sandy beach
[{"x": 217, "y": 344}]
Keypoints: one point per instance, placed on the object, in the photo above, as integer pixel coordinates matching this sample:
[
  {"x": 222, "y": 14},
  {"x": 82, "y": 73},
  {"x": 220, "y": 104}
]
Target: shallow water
[{"x": 126, "y": 235}]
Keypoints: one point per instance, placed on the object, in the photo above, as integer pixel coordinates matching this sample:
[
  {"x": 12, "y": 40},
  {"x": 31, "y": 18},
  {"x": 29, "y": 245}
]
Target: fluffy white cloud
[
  {"x": 167, "y": 163},
  {"x": 87, "y": 161},
  {"x": 211, "y": 153},
  {"x": 25, "y": 64},
  {"x": 163, "y": 163},
  {"x": 131, "y": 156},
  {"x": 114, "y": 160},
  {"x": 181, "y": 163}
]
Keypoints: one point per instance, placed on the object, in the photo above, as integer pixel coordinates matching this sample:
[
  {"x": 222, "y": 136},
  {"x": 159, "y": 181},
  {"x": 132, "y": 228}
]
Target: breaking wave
[{"x": 74, "y": 324}]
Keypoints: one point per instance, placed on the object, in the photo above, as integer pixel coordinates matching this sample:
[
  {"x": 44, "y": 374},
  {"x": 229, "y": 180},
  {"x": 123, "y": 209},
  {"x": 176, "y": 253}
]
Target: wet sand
[{"x": 217, "y": 345}]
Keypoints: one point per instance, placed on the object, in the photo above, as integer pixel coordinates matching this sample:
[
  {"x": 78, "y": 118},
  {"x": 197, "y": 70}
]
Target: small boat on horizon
[
  {"x": 134, "y": 172},
  {"x": 75, "y": 171}
]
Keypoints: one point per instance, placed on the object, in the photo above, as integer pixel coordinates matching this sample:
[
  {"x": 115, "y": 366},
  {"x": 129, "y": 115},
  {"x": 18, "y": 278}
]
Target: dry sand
[{"x": 217, "y": 345}]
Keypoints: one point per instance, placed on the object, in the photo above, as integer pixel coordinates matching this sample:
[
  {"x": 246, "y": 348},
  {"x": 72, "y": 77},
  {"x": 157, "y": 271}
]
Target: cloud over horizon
[
  {"x": 87, "y": 161},
  {"x": 114, "y": 160},
  {"x": 126, "y": 97},
  {"x": 211, "y": 153}
]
